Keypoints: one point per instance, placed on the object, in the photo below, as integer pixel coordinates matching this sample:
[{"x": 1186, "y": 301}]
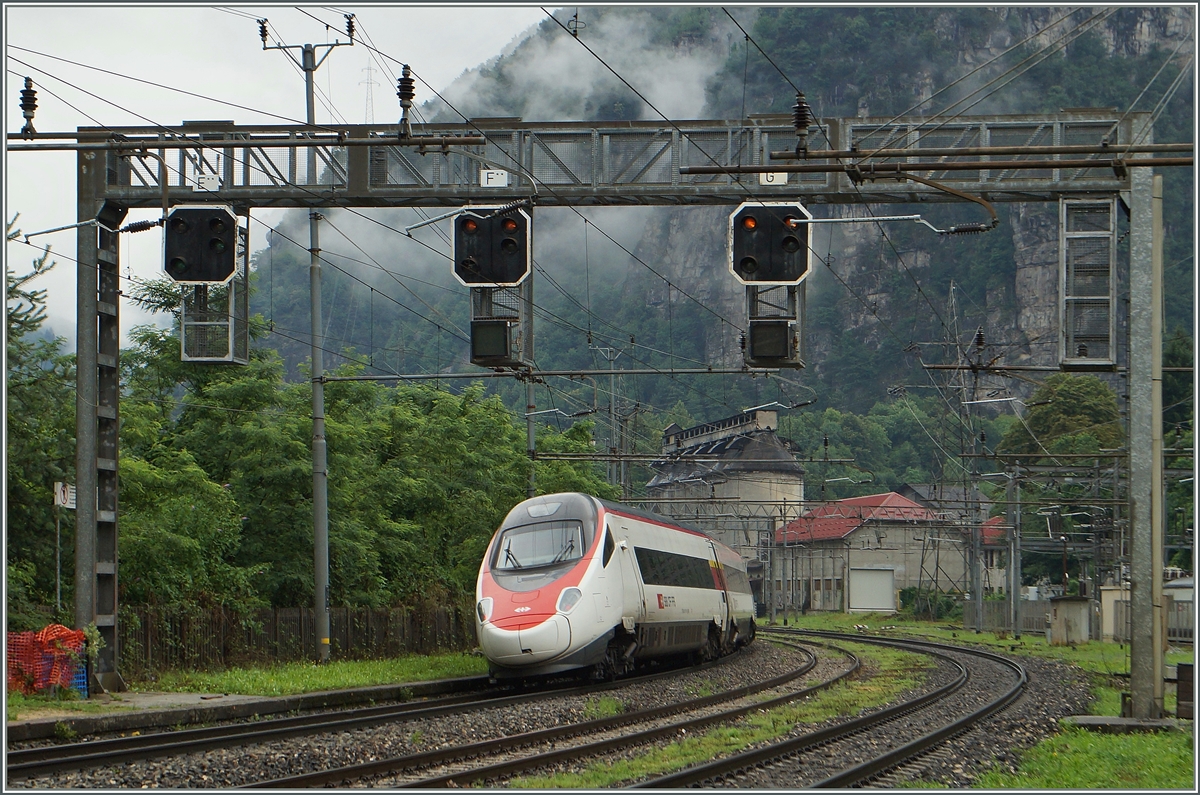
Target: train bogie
[{"x": 572, "y": 582}]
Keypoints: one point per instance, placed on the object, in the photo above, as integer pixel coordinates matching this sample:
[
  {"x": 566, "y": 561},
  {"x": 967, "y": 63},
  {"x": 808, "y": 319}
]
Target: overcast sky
[{"x": 215, "y": 52}]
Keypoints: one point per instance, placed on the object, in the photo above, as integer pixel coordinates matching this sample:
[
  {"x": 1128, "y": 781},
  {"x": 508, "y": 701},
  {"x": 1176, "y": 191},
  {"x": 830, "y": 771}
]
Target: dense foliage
[{"x": 40, "y": 435}]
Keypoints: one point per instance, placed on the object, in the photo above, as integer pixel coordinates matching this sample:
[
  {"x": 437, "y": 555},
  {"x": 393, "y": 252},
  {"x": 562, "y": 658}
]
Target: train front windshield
[{"x": 538, "y": 545}]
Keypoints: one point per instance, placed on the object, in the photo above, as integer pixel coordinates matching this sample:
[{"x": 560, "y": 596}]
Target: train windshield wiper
[
  {"x": 509, "y": 557},
  {"x": 567, "y": 549}
]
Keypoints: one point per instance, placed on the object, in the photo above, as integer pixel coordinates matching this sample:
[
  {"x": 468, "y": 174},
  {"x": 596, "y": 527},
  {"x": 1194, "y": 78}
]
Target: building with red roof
[{"x": 878, "y": 544}]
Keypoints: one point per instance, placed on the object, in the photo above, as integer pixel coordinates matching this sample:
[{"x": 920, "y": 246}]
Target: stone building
[
  {"x": 734, "y": 478},
  {"x": 877, "y": 544}
]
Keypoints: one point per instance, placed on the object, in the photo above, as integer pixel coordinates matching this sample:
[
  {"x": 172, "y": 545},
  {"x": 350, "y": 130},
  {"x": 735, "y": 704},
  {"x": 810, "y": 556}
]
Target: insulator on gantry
[
  {"x": 801, "y": 119},
  {"x": 28, "y": 108},
  {"x": 405, "y": 90}
]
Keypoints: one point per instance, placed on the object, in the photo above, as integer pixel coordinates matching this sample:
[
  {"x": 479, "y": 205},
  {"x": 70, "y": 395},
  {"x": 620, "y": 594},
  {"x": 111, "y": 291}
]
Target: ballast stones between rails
[
  {"x": 857, "y": 750},
  {"x": 244, "y": 766},
  {"x": 1055, "y": 691}
]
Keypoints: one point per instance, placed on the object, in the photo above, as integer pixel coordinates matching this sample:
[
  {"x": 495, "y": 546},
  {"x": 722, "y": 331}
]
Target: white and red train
[{"x": 572, "y": 582}]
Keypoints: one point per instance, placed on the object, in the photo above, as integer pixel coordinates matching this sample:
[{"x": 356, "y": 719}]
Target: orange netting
[{"x": 39, "y": 660}]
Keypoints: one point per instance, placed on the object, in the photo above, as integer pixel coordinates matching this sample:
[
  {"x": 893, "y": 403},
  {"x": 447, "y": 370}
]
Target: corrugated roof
[{"x": 836, "y": 520}]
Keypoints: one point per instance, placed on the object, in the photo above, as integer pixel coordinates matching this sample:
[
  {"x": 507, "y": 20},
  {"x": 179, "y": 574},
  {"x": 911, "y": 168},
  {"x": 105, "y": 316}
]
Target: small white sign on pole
[
  {"x": 772, "y": 178},
  {"x": 64, "y": 495},
  {"x": 493, "y": 178}
]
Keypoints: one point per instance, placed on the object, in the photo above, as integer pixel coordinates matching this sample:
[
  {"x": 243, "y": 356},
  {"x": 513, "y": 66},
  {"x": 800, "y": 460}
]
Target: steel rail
[
  {"x": 758, "y": 756},
  {"x": 75, "y": 756},
  {"x": 31, "y": 762},
  {"x": 893, "y": 758},
  {"x": 870, "y": 767},
  {"x": 542, "y": 736}
]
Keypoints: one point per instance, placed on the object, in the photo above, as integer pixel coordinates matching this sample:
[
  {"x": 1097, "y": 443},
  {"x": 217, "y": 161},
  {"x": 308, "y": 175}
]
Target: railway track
[
  {"x": 971, "y": 685},
  {"x": 46, "y": 760},
  {"x": 508, "y": 756},
  {"x": 821, "y": 758}
]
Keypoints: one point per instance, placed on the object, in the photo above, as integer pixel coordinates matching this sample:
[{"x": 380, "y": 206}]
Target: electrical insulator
[
  {"x": 801, "y": 118},
  {"x": 141, "y": 226},
  {"x": 1082, "y": 350},
  {"x": 28, "y": 107},
  {"x": 801, "y": 114},
  {"x": 349, "y": 25},
  {"x": 262, "y": 31},
  {"x": 970, "y": 229},
  {"x": 405, "y": 87},
  {"x": 983, "y": 437},
  {"x": 979, "y": 338},
  {"x": 405, "y": 91}
]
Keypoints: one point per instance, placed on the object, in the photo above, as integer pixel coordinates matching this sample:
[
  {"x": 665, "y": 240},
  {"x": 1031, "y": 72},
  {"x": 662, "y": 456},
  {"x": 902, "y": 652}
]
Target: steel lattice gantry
[
  {"x": 550, "y": 163},
  {"x": 581, "y": 163}
]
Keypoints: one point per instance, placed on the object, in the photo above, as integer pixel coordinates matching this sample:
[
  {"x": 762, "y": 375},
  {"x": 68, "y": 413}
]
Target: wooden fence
[{"x": 157, "y": 640}]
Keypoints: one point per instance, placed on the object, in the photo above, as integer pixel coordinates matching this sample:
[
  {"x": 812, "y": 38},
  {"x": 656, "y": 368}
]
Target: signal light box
[
  {"x": 770, "y": 243},
  {"x": 200, "y": 244},
  {"x": 492, "y": 249}
]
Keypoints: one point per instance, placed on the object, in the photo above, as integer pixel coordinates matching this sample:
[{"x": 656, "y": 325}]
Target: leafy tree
[
  {"x": 40, "y": 425},
  {"x": 1067, "y": 414}
]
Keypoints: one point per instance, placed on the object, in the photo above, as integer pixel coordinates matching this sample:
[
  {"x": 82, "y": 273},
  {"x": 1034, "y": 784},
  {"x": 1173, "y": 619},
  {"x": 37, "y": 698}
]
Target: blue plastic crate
[{"x": 79, "y": 682}]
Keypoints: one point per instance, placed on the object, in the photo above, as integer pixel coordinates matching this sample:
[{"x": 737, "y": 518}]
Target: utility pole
[
  {"x": 614, "y": 468},
  {"x": 530, "y": 436},
  {"x": 1145, "y": 444},
  {"x": 1016, "y": 561},
  {"x": 309, "y": 63}
]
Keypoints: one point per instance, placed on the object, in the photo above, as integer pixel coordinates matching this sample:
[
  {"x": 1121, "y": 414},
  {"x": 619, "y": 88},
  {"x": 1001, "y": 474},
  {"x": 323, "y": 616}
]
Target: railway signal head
[
  {"x": 200, "y": 244},
  {"x": 490, "y": 249},
  {"x": 770, "y": 243}
]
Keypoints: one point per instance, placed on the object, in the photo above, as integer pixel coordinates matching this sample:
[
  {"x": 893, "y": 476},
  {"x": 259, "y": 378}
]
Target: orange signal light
[
  {"x": 749, "y": 223},
  {"x": 470, "y": 225},
  {"x": 509, "y": 225}
]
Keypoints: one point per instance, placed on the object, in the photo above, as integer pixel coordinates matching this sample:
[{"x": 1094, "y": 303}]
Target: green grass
[
  {"x": 1078, "y": 759},
  {"x": 18, "y": 705},
  {"x": 602, "y": 707},
  {"x": 895, "y": 671},
  {"x": 293, "y": 678}
]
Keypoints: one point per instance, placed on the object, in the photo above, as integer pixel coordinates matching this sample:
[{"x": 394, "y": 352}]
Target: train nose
[{"x": 517, "y": 643}]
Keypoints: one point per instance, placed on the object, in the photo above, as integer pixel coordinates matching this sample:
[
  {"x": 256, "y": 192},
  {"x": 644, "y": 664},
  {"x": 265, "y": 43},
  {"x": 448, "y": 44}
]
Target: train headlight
[
  {"x": 484, "y": 609},
  {"x": 568, "y": 599}
]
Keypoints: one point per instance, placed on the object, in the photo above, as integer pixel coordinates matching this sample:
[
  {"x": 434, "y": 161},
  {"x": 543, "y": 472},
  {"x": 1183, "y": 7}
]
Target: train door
[
  {"x": 633, "y": 610},
  {"x": 724, "y": 609},
  {"x": 602, "y": 584}
]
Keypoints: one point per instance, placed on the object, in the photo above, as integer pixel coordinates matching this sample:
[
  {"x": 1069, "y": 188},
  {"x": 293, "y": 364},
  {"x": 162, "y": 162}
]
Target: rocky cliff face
[{"x": 1020, "y": 313}]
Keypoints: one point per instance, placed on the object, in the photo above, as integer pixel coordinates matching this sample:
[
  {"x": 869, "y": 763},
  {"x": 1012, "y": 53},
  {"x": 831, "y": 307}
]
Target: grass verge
[
  {"x": 293, "y": 678},
  {"x": 1078, "y": 759}
]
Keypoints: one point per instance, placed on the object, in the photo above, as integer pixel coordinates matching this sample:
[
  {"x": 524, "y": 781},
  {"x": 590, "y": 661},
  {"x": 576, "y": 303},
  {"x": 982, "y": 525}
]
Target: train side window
[{"x": 609, "y": 546}]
